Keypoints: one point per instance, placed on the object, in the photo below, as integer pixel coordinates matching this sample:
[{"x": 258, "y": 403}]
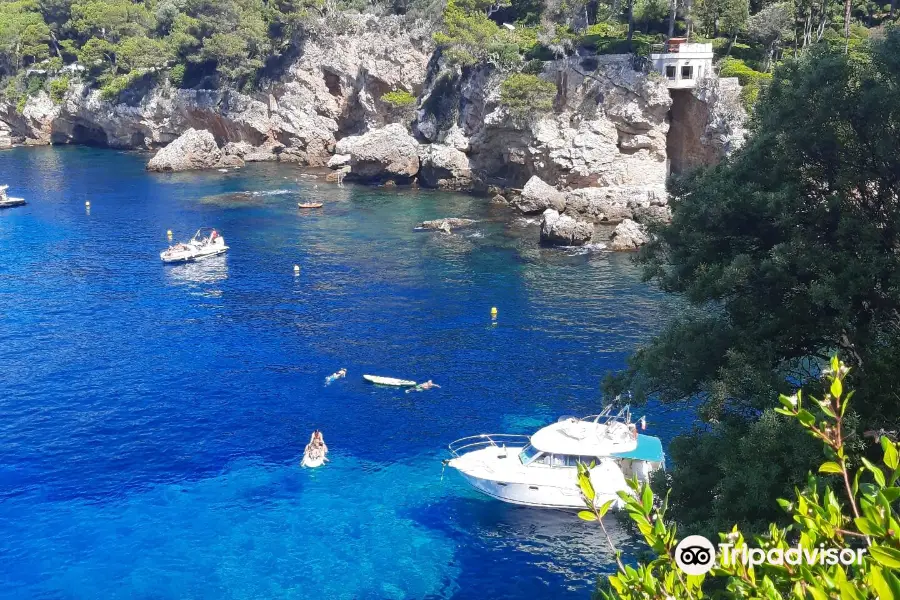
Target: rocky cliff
[
  {"x": 601, "y": 155},
  {"x": 332, "y": 89}
]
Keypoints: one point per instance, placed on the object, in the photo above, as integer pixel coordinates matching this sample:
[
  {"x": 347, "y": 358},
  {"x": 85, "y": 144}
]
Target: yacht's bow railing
[
  {"x": 477, "y": 442},
  {"x": 608, "y": 416}
]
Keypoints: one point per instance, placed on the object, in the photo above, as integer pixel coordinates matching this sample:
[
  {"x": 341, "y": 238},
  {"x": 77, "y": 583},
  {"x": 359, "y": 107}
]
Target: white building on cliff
[{"x": 682, "y": 64}]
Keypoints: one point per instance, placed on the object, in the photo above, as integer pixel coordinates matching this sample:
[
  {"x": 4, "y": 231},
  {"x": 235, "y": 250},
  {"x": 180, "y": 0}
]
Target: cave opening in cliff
[
  {"x": 685, "y": 147},
  {"x": 85, "y": 135}
]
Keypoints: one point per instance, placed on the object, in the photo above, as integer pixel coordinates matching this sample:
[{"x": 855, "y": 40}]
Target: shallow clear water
[{"x": 152, "y": 417}]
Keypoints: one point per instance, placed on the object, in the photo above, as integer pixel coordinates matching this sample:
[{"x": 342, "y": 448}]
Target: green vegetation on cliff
[{"x": 210, "y": 43}]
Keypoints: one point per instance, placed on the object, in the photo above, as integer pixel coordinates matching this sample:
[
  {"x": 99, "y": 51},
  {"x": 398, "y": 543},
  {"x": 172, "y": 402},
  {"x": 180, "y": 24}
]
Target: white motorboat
[
  {"x": 541, "y": 470},
  {"x": 7, "y": 201},
  {"x": 206, "y": 242}
]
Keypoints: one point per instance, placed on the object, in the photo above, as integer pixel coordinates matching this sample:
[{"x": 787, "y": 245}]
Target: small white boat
[
  {"x": 541, "y": 470},
  {"x": 7, "y": 201},
  {"x": 312, "y": 461},
  {"x": 389, "y": 381},
  {"x": 206, "y": 242}
]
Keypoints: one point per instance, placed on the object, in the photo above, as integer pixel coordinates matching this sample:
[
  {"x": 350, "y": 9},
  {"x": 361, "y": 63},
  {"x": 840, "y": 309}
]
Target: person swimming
[
  {"x": 423, "y": 386},
  {"x": 335, "y": 376}
]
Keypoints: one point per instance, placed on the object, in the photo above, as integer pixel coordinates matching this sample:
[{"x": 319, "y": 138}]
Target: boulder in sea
[
  {"x": 338, "y": 160},
  {"x": 537, "y": 196},
  {"x": 338, "y": 176},
  {"x": 446, "y": 224},
  {"x": 628, "y": 235},
  {"x": 499, "y": 199},
  {"x": 563, "y": 230},
  {"x": 382, "y": 154},
  {"x": 444, "y": 167},
  {"x": 193, "y": 149}
]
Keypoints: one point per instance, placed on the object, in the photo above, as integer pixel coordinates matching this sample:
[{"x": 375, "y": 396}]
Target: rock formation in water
[
  {"x": 628, "y": 235},
  {"x": 446, "y": 224},
  {"x": 386, "y": 153},
  {"x": 564, "y": 230},
  {"x": 193, "y": 149}
]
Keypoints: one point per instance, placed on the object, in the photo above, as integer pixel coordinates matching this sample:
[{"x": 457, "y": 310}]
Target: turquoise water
[{"x": 152, "y": 417}]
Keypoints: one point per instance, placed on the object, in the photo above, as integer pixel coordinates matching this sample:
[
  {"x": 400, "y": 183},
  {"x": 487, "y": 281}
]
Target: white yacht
[
  {"x": 206, "y": 242},
  {"x": 8, "y": 201},
  {"x": 541, "y": 470}
]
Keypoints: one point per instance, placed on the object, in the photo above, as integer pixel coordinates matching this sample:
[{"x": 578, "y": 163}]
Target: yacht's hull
[
  {"x": 538, "y": 496},
  {"x": 12, "y": 202}
]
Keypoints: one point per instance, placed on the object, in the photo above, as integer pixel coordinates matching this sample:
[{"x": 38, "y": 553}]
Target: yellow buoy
[
  {"x": 296, "y": 269},
  {"x": 494, "y": 312},
  {"x": 169, "y": 233},
  {"x": 87, "y": 204}
]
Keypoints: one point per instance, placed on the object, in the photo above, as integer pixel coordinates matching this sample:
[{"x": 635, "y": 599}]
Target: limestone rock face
[
  {"x": 628, "y": 235},
  {"x": 707, "y": 123},
  {"x": 608, "y": 128},
  {"x": 386, "y": 153},
  {"x": 333, "y": 88},
  {"x": 612, "y": 204},
  {"x": 563, "y": 230},
  {"x": 537, "y": 196},
  {"x": 444, "y": 167},
  {"x": 338, "y": 160},
  {"x": 194, "y": 149}
]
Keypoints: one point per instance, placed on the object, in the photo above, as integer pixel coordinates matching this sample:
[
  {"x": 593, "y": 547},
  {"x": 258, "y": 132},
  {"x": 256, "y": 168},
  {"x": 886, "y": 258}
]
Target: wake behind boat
[
  {"x": 376, "y": 379},
  {"x": 206, "y": 242},
  {"x": 7, "y": 201},
  {"x": 541, "y": 470}
]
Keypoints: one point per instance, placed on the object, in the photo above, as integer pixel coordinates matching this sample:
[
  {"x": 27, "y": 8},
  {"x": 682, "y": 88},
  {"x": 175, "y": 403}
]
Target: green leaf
[
  {"x": 867, "y": 527},
  {"x": 888, "y": 557},
  {"x": 830, "y": 467},
  {"x": 891, "y": 458},
  {"x": 835, "y": 364},
  {"x": 587, "y": 515},
  {"x": 647, "y": 499},
  {"x": 837, "y": 388},
  {"x": 805, "y": 417},
  {"x": 584, "y": 481},
  {"x": 605, "y": 508},
  {"x": 877, "y": 580},
  {"x": 876, "y": 471},
  {"x": 816, "y": 593}
]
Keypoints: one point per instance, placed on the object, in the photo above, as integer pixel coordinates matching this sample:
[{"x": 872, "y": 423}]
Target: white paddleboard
[{"x": 389, "y": 381}]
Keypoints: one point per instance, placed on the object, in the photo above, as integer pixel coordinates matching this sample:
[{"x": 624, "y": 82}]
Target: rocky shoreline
[{"x": 600, "y": 157}]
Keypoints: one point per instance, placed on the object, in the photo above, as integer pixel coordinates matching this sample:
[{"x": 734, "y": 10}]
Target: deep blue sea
[{"x": 152, "y": 417}]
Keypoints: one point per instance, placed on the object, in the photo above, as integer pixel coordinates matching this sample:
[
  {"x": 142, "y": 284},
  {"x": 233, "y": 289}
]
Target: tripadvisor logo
[{"x": 696, "y": 555}]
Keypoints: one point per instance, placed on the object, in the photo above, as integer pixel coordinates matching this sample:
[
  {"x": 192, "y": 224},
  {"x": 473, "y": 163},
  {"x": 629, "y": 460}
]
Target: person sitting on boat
[
  {"x": 316, "y": 447},
  {"x": 213, "y": 235},
  {"x": 320, "y": 442}
]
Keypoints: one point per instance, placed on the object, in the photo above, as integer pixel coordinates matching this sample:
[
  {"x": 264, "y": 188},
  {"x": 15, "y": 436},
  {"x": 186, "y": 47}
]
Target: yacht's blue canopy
[{"x": 648, "y": 448}]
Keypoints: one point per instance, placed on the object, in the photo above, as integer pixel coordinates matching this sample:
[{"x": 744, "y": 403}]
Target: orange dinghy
[{"x": 309, "y": 205}]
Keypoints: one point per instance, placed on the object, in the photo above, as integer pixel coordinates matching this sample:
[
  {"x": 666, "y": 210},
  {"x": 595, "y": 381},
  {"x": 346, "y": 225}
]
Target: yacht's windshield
[{"x": 527, "y": 454}]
